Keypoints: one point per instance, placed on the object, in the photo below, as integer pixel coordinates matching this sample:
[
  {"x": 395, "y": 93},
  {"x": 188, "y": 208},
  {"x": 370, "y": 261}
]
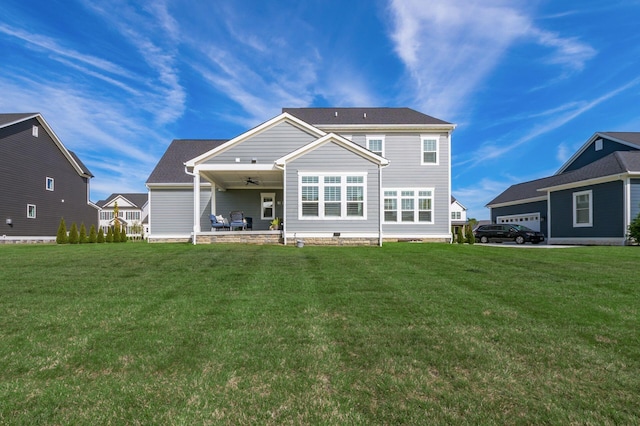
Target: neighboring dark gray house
[
  {"x": 40, "y": 181},
  {"x": 353, "y": 175},
  {"x": 590, "y": 200}
]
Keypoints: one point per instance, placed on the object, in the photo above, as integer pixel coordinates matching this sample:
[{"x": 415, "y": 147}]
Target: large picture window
[
  {"x": 408, "y": 205},
  {"x": 582, "y": 209},
  {"x": 332, "y": 196}
]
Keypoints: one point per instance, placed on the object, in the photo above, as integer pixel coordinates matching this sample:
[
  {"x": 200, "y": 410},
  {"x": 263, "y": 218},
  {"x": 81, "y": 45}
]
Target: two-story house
[
  {"x": 133, "y": 209},
  {"x": 332, "y": 175},
  {"x": 591, "y": 199},
  {"x": 458, "y": 216},
  {"x": 41, "y": 181}
]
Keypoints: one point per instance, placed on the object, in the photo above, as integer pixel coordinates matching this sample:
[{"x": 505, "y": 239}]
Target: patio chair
[
  {"x": 217, "y": 222},
  {"x": 237, "y": 220}
]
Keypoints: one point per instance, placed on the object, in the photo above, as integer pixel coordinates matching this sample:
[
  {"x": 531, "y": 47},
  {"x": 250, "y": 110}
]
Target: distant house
[
  {"x": 133, "y": 210},
  {"x": 332, "y": 175},
  {"x": 41, "y": 181},
  {"x": 590, "y": 200},
  {"x": 458, "y": 216}
]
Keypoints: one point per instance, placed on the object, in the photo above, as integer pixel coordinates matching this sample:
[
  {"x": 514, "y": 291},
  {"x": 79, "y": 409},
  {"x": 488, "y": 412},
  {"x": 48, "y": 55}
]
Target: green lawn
[{"x": 235, "y": 334}]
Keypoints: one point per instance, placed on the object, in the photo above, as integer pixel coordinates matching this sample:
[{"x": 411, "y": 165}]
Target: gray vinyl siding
[
  {"x": 334, "y": 159},
  {"x": 25, "y": 163},
  {"x": 635, "y": 198},
  {"x": 589, "y": 155},
  {"x": 534, "y": 207},
  {"x": 405, "y": 171},
  {"x": 247, "y": 201},
  {"x": 172, "y": 210},
  {"x": 266, "y": 146},
  {"x": 608, "y": 212}
]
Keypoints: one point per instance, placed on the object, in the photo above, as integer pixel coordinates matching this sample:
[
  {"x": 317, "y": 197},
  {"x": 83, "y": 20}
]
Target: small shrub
[
  {"x": 73, "y": 234},
  {"x": 634, "y": 229},
  {"x": 83, "y": 234},
  {"x": 93, "y": 237},
  {"x": 100, "y": 238},
  {"x": 460, "y": 236},
  {"x": 109, "y": 237},
  {"x": 471, "y": 239},
  {"x": 61, "y": 237},
  {"x": 123, "y": 235}
]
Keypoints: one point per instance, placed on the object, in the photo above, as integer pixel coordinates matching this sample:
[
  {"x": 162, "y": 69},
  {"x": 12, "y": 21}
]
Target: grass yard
[{"x": 234, "y": 334}]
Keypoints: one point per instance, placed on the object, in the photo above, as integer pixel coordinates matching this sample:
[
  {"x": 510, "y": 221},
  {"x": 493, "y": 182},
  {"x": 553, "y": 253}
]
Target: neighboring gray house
[
  {"x": 332, "y": 175},
  {"x": 40, "y": 181},
  {"x": 590, "y": 200},
  {"x": 133, "y": 211}
]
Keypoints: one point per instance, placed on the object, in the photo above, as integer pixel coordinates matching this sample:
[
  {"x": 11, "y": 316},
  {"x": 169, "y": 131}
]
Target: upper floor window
[
  {"x": 375, "y": 144},
  {"x": 335, "y": 196},
  {"x": 429, "y": 149},
  {"x": 34, "y": 131},
  {"x": 49, "y": 184},
  {"x": 456, "y": 215},
  {"x": 598, "y": 145},
  {"x": 132, "y": 215},
  {"x": 583, "y": 208},
  {"x": 31, "y": 211}
]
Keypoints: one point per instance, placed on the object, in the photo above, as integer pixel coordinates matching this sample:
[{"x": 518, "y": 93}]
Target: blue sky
[{"x": 526, "y": 82}]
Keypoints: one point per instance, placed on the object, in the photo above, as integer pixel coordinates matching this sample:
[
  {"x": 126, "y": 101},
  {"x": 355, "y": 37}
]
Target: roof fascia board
[
  {"x": 284, "y": 117},
  {"x": 587, "y": 182},
  {"x": 588, "y": 143},
  {"x": 332, "y": 137},
  {"x": 174, "y": 185},
  {"x": 517, "y": 202},
  {"x": 233, "y": 167},
  {"x": 387, "y": 127}
]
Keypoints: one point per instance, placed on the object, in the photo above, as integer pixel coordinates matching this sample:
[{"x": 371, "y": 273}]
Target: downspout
[
  {"x": 284, "y": 201},
  {"x": 380, "y": 205}
]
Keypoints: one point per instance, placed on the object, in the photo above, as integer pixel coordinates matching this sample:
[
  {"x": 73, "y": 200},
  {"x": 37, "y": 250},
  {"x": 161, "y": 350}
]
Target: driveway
[{"x": 525, "y": 245}]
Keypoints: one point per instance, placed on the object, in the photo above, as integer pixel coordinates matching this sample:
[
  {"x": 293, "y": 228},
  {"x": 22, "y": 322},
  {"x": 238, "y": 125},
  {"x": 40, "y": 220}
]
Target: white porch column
[{"x": 196, "y": 204}]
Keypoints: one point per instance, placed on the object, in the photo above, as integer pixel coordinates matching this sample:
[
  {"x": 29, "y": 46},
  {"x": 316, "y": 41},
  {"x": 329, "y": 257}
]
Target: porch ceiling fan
[{"x": 252, "y": 181}]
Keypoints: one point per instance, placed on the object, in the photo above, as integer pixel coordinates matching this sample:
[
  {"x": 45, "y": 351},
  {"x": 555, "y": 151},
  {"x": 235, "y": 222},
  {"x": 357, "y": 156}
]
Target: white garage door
[{"x": 530, "y": 220}]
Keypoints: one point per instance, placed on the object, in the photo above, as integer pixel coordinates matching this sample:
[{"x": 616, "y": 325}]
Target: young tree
[
  {"x": 83, "y": 234},
  {"x": 123, "y": 235},
  {"x": 109, "y": 237},
  {"x": 634, "y": 229},
  {"x": 100, "y": 236},
  {"x": 460, "y": 236},
  {"x": 61, "y": 237},
  {"x": 116, "y": 223},
  {"x": 73, "y": 234},
  {"x": 93, "y": 237}
]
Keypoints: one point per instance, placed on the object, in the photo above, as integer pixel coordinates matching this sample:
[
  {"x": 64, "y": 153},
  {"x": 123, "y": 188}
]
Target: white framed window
[
  {"x": 429, "y": 146},
  {"x": 49, "y": 184},
  {"x": 332, "y": 196},
  {"x": 408, "y": 205},
  {"x": 455, "y": 215},
  {"x": 582, "y": 209},
  {"x": 31, "y": 211},
  {"x": 34, "y": 131},
  {"x": 132, "y": 215},
  {"x": 375, "y": 144},
  {"x": 598, "y": 145},
  {"x": 267, "y": 205}
]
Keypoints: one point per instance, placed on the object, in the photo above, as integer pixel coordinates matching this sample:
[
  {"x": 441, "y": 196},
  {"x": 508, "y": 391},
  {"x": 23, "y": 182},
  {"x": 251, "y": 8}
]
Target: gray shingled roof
[
  {"x": 81, "y": 164},
  {"x": 631, "y": 137},
  {"x": 614, "y": 163},
  {"x": 328, "y": 116},
  {"x": 13, "y": 117},
  {"x": 170, "y": 168},
  {"x": 137, "y": 198}
]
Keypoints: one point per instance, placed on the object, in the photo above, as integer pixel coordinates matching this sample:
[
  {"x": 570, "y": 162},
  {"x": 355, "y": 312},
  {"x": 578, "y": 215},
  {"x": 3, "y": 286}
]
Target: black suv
[{"x": 518, "y": 233}]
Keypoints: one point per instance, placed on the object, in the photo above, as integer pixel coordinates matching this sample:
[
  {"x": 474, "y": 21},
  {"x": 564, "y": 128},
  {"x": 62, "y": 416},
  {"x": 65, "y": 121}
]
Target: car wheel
[
  {"x": 484, "y": 240},
  {"x": 519, "y": 239}
]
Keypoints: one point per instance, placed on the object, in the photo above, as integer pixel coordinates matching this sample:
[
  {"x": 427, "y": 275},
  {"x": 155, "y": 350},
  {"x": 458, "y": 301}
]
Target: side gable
[
  {"x": 337, "y": 140},
  {"x": 281, "y": 119},
  {"x": 599, "y": 146}
]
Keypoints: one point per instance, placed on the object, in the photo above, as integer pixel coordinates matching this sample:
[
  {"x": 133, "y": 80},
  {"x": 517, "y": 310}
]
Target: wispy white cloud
[{"x": 449, "y": 48}]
